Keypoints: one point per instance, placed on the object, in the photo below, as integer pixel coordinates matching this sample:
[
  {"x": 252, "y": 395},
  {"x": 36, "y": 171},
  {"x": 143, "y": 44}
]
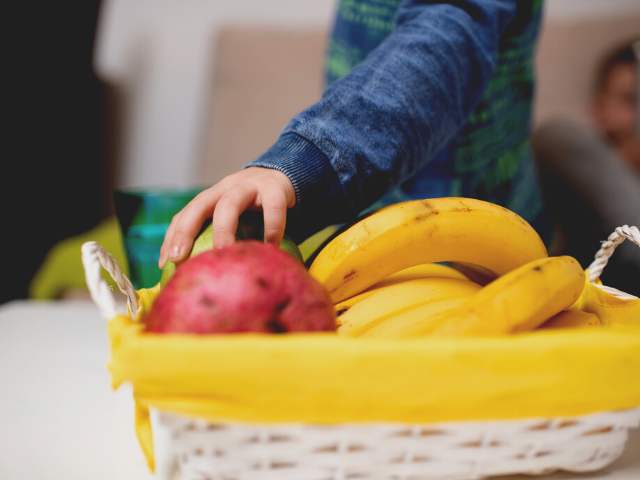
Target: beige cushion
[{"x": 263, "y": 77}]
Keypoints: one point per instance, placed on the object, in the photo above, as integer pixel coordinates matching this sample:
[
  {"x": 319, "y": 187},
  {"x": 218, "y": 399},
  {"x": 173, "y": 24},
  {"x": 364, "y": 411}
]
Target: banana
[
  {"x": 403, "y": 325},
  {"x": 572, "y": 319},
  {"x": 345, "y": 305},
  {"x": 398, "y": 298},
  {"x": 480, "y": 275},
  {"x": 424, "y": 231},
  {"x": 518, "y": 301},
  {"x": 419, "y": 271}
]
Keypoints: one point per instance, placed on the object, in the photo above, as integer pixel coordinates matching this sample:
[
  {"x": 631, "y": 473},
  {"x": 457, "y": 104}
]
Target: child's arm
[{"x": 374, "y": 127}]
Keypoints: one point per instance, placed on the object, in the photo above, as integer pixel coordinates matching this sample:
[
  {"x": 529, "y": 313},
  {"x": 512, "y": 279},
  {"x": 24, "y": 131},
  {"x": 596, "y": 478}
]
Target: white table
[{"x": 60, "y": 420}]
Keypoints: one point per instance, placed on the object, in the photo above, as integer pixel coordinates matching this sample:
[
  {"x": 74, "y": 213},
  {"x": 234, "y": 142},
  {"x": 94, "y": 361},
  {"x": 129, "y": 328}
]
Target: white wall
[{"x": 161, "y": 53}]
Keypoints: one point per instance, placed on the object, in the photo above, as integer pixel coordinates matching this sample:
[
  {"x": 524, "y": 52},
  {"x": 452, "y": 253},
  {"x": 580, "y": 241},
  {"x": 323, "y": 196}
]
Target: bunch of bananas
[{"x": 383, "y": 278}]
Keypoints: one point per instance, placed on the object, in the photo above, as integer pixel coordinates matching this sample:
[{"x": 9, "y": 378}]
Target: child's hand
[{"x": 254, "y": 187}]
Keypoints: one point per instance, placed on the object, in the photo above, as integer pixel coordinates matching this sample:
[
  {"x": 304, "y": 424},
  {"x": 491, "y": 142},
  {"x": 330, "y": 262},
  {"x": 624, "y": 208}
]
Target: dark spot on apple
[
  {"x": 208, "y": 302},
  {"x": 262, "y": 283},
  {"x": 281, "y": 306},
  {"x": 274, "y": 325}
]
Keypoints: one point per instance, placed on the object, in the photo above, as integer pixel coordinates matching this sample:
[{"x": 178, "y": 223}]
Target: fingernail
[{"x": 175, "y": 252}]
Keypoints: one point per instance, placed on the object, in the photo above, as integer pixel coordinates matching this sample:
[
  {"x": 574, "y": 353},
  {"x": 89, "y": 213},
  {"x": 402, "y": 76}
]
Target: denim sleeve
[{"x": 387, "y": 117}]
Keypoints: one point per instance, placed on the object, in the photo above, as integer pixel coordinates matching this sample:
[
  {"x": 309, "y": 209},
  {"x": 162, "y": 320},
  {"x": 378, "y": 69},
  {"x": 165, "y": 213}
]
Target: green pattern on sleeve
[{"x": 490, "y": 158}]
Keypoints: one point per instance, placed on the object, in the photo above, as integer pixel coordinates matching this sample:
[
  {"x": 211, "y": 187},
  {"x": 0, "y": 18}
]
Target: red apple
[{"x": 246, "y": 287}]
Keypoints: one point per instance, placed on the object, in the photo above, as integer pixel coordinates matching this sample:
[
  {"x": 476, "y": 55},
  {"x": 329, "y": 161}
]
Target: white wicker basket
[
  {"x": 465, "y": 450},
  {"x": 194, "y": 449}
]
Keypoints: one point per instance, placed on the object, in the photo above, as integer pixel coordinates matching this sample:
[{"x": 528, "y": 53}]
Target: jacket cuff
[{"x": 320, "y": 199}]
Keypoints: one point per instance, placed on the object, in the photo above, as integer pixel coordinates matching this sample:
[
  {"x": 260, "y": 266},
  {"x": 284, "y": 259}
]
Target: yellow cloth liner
[
  {"x": 323, "y": 378},
  {"x": 611, "y": 310}
]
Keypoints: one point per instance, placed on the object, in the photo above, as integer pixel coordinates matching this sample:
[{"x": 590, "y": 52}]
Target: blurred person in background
[
  {"x": 590, "y": 174},
  {"x": 424, "y": 99},
  {"x": 615, "y": 104}
]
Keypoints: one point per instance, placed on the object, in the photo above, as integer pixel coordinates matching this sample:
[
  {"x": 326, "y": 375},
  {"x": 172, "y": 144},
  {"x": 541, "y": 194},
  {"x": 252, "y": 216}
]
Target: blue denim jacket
[{"x": 425, "y": 99}]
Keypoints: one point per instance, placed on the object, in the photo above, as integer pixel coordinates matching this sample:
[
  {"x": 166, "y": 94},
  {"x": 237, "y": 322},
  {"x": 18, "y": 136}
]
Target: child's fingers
[
  {"x": 164, "y": 249},
  {"x": 228, "y": 199},
  {"x": 190, "y": 221},
  {"x": 227, "y": 211},
  {"x": 274, "y": 206}
]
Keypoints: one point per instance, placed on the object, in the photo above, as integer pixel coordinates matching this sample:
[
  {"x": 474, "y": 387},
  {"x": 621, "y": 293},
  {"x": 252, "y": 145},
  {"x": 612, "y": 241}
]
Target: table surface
[{"x": 60, "y": 420}]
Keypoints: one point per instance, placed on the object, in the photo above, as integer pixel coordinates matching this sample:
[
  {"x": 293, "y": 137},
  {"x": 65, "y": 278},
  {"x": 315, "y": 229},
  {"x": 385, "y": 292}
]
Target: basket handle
[
  {"x": 94, "y": 258},
  {"x": 602, "y": 257}
]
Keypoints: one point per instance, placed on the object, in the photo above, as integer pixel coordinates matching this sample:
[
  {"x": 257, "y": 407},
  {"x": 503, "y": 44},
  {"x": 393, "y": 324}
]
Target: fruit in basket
[
  {"x": 245, "y": 287},
  {"x": 402, "y": 325},
  {"x": 398, "y": 298},
  {"x": 250, "y": 226},
  {"x": 202, "y": 243},
  {"x": 475, "y": 273},
  {"x": 519, "y": 301},
  {"x": 423, "y": 231},
  {"x": 572, "y": 319},
  {"x": 428, "y": 270}
]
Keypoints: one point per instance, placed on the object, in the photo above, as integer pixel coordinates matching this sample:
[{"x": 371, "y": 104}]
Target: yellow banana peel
[
  {"x": 573, "y": 319},
  {"x": 518, "y": 301},
  {"x": 411, "y": 323},
  {"x": 400, "y": 297},
  {"x": 425, "y": 231}
]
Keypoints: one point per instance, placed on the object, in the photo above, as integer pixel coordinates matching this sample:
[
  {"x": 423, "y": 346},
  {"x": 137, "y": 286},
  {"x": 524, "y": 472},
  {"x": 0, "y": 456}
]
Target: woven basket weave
[
  {"x": 447, "y": 451},
  {"x": 201, "y": 450}
]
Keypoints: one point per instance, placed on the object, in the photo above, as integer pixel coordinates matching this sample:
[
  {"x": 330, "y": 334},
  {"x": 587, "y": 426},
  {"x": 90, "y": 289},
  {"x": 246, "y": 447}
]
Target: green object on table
[{"x": 145, "y": 216}]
